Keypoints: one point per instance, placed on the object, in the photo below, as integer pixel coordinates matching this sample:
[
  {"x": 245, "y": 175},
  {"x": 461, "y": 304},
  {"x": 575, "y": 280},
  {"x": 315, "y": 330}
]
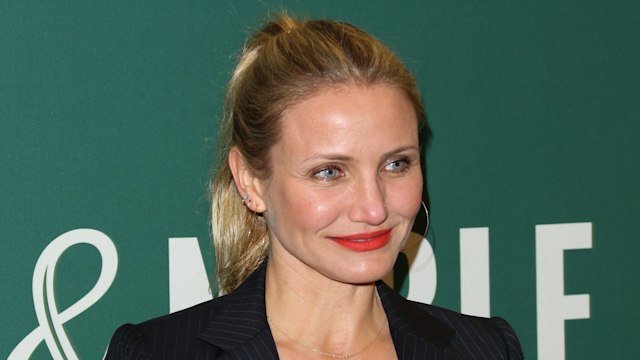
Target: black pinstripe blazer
[{"x": 235, "y": 327}]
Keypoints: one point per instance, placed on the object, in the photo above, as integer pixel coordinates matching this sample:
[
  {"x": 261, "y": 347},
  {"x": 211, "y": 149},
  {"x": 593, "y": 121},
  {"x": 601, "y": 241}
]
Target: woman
[{"x": 319, "y": 187}]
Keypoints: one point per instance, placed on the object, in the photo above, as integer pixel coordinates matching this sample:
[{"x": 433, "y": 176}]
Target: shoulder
[
  {"x": 477, "y": 334},
  {"x": 201, "y": 331},
  {"x": 174, "y": 333},
  {"x": 419, "y": 329}
]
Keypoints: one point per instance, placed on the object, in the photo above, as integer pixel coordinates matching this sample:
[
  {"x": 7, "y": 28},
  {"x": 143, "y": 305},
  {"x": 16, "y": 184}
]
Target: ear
[{"x": 247, "y": 183}]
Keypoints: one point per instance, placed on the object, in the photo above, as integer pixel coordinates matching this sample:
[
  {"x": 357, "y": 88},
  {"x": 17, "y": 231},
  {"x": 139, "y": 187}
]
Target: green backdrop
[{"x": 109, "y": 111}]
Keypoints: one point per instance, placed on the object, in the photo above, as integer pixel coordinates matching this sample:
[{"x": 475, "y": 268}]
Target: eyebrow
[{"x": 346, "y": 158}]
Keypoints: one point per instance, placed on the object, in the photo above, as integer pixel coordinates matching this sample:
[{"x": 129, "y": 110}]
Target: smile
[{"x": 365, "y": 241}]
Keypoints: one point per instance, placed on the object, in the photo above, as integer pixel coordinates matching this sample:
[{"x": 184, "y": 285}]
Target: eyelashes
[
  {"x": 328, "y": 173},
  {"x": 334, "y": 172},
  {"x": 398, "y": 166}
]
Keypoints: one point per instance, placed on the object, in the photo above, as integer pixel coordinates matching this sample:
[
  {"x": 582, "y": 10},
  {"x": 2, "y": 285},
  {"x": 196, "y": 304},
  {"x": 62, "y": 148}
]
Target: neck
[{"x": 307, "y": 308}]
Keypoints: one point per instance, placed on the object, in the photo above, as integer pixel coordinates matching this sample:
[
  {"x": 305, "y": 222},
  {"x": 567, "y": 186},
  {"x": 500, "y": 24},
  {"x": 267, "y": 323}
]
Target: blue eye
[
  {"x": 397, "y": 165},
  {"x": 328, "y": 173}
]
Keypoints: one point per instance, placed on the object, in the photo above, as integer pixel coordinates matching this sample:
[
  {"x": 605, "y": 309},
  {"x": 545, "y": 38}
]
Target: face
[{"x": 346, "y": 183}]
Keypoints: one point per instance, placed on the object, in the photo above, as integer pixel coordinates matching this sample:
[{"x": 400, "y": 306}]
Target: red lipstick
[{"x": 365, "y": 241}]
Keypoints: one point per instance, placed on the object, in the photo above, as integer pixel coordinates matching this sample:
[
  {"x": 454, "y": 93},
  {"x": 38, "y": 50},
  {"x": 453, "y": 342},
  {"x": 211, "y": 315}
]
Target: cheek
[
  {"x": 306, "y": 210},
  {"x": 408, "y": 201}
]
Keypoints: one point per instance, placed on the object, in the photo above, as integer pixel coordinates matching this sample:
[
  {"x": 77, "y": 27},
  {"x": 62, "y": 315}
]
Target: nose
[{"x": 368, "y": 204}]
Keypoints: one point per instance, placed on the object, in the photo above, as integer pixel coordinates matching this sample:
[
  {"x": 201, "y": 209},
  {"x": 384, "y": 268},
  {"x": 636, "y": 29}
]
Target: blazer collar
[
  {"x": 414, "y": 331},
  {"x": 240, "y": 323}
]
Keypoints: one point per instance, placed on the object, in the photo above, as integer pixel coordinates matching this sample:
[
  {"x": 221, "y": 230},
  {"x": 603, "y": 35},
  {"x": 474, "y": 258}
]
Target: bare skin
[
  {"x": 346, "y": 166},
  {"x": 344, "y": 323}
]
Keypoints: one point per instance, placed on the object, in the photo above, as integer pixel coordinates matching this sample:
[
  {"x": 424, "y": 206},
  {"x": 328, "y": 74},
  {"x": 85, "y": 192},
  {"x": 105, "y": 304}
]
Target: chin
[{"x": 366, "y": 273}]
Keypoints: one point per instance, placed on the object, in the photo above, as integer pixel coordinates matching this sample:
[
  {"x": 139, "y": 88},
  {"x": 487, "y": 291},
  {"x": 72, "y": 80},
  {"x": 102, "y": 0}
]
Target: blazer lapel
[
  {"x": 239, "y": 327},
  {"x": 416, "y": 334}
]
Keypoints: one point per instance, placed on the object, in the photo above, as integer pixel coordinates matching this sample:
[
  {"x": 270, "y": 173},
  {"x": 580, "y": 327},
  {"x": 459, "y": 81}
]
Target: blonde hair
[{"x": 283, "y": 63}]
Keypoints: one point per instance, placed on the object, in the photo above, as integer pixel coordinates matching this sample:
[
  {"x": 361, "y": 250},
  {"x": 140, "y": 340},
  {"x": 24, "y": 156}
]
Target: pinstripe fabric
[
  {"x": 422, "y": 331},
  {"x": 235, "y": 327}
]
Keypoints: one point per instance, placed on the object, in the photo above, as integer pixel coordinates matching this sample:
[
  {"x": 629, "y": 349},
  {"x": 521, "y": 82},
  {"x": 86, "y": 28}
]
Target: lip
[{"x": 364, "y": 241}]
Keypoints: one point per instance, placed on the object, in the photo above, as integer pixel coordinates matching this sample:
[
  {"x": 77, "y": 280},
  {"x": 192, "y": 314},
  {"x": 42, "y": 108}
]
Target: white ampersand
[{"x": 50, "y": 328}]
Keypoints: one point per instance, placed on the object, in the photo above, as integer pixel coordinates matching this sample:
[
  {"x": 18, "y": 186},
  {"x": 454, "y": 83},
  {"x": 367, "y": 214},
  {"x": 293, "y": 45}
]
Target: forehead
[{"x": 349, "y": 118}]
